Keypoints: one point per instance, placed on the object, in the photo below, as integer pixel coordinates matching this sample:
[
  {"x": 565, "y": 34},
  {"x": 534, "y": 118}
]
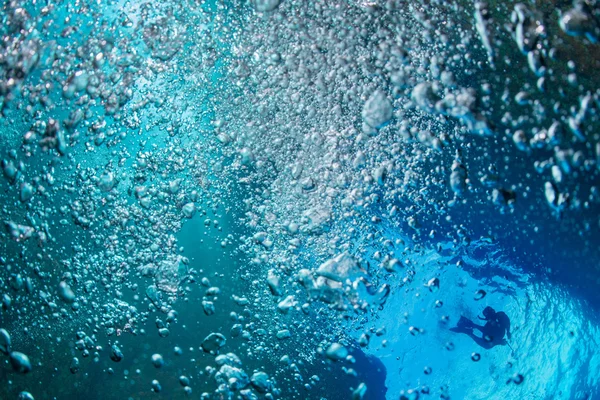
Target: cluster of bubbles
[{"x": 350, "y": 135}]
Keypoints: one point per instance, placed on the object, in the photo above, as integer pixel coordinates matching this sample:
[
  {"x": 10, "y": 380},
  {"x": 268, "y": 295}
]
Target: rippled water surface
[{"x": 288, "y": 199}]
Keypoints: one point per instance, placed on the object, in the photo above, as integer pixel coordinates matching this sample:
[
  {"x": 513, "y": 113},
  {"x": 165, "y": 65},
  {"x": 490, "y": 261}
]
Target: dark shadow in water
[{"x": 372, "y": 372}]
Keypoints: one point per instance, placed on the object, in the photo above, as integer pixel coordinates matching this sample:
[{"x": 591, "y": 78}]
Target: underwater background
[{"x": 291, "y": 199}]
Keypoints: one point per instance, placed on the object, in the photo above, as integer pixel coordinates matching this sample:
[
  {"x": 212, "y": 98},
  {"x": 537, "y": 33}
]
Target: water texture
[{"x": 288, "y": 199}]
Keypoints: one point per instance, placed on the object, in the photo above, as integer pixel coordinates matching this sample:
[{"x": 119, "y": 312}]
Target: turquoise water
[{"x": 279, "y": 199}]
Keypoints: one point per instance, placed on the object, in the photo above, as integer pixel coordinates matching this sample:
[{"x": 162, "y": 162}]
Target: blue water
[{"x": 324, "y": 187}]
